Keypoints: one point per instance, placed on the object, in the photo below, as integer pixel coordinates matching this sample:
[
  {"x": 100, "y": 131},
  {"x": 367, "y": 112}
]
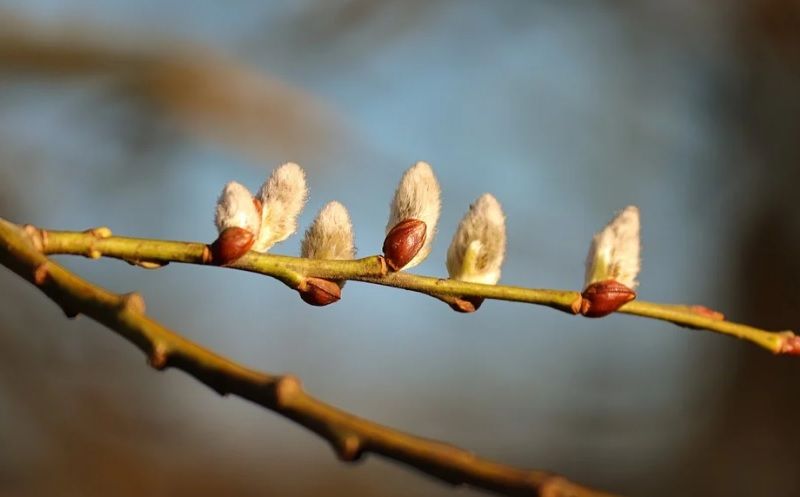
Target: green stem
[{"x": 99, "y": 243}]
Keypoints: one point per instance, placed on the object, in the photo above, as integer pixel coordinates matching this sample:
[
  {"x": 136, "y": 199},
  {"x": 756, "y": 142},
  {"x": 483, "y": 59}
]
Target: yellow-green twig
[{"x": 152, "y": 253}]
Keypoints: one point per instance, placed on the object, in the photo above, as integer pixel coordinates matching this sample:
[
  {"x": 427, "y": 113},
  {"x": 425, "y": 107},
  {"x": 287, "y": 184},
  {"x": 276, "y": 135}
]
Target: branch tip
[{"x": 790, "y": 345}]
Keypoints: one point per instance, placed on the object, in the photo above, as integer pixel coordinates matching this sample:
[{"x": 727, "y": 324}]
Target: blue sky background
[{"x": 566, "y": 112}]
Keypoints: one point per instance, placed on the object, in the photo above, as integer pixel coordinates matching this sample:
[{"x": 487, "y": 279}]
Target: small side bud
[
  {"x": 330, "y": 235},
  {"x": 319, "y": 292},
  {"x": 466, "y": 304},
  {"x": 604, "y": 297},
  {"x": 614, "y": 253},
  {"x": 230, "y": 245},
  {"x": 707, "y": 312},
  {"x": 479, "y": 244},
  {"x": 403, "y": 243},
  {"x": 282, "y": 198},
  {"x": 417, "y": 200}
]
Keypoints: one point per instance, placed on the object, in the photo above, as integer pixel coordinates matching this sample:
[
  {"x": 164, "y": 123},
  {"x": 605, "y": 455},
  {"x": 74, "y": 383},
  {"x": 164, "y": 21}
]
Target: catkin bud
[
  {"x": 330, "y": 235},
  {"x": 413, "y": 215},
  {"x": 236, "y": 209},
  {"x": 238, "y": 221},
  {"x": 478, "y": 247},
  {"x": 614, "y": 253},
  {"x": 612, "y": 265},
  {"x": 282, "y": 198}
]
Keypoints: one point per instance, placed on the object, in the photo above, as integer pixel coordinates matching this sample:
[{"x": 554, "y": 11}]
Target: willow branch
[
  {"x": 349, "y": 435},
  {"x": 155, "y": 253}
]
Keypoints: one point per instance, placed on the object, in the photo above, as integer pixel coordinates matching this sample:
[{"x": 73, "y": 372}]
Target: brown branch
[{"x": 350, "y": 436}]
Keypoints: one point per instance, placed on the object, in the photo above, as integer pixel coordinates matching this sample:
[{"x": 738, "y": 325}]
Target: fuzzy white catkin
[
  {"x": 282, "y": 197},
  {"x": 479, "y": 244},
  {"x": 418, "y": 196},
  {"x": 615, "y": 251},
  {"x": 330, "y": 235},
  {"x": 235, "y": 209}
]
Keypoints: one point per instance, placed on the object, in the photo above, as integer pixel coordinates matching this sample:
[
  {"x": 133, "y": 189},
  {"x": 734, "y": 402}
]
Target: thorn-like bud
[
  {"x": 614, "y": 253},
  {"x": 403, "y": 243},
  {"x": 230, "y": 245},
  {"x": 479, "y": 244},
  {"x": 282, "y": 198},
  {"x": 604, "y": 297},
  {"x": 319, "y": 292},
  {"x": 330, "y": 235},
  {"x": 416, "y": 202}
]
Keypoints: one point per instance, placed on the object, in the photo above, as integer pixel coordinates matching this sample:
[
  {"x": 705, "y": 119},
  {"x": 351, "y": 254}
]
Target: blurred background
[{"x": 134, "y": 115}]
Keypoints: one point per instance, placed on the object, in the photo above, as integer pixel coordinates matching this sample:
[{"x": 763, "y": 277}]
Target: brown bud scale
[
  {"x": 319, "y": 292},
  {"x": 707, "y": 312},
  {"x": 790, "y": 345},
  {"x": 403, "y": 242},
  {"x": 231, "y": 244},
  {"x": 466, "y": 304},
  {"x": 604, "y": 297}
]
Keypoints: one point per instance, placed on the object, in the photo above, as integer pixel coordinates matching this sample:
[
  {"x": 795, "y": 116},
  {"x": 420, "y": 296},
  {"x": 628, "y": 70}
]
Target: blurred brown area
[
  {"x": 195, "y": 88},
  {"x": 753, "y": 448},
  {"x": 81, "y": 415}
]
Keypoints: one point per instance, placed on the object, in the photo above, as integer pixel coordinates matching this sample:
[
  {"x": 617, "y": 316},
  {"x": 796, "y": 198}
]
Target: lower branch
[{"x": 350, "y": 436}]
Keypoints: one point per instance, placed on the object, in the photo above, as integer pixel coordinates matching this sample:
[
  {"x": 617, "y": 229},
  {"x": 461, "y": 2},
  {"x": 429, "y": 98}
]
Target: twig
[
  {"x": 154, "y": 253},
  {"x": 350, "y": 436}
]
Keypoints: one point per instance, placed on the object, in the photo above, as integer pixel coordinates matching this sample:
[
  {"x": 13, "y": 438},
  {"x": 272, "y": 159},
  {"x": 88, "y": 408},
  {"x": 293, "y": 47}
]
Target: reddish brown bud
[
  {"x": 466, "y": 304},
  {"x": 319, "y": 292},
  {"x": 231, "y": 244},
  {"x": 604, "y": 297},
  {"x": 707, "y": 312},
  {"x": 403, "y": 242},
  {"x": 790, "y": 345}
]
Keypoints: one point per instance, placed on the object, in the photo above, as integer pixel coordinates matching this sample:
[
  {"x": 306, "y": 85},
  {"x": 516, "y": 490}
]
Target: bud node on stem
[
  {"x": 403, "y": 242},
  {"x": 604, "y": 297},
  {"x": 319, "y": 292}
]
